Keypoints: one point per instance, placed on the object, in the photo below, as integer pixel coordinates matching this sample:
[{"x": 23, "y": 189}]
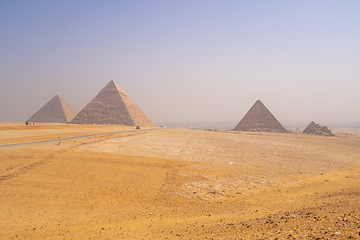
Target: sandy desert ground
[{"x": 177, "y": 184}]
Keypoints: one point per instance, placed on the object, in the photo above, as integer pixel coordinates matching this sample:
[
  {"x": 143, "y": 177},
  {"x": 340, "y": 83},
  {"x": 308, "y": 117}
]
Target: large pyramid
[
  {"x": 57, "y": 110},
  {"x": 112, "y": 106},
  {"x": 260, "y": 119}
]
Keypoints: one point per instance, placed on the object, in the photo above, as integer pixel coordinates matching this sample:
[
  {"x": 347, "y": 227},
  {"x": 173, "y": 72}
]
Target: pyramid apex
[
  {"x": 58, "y": 97},
  {"x": 313, "y": 123},
  {"x": 258, "y": 102},
  {"x": 112, "y": 87}
]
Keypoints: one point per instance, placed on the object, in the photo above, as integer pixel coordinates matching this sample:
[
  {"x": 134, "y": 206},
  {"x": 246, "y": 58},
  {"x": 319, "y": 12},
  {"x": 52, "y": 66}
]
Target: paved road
[{"x": 69, "y": 138}]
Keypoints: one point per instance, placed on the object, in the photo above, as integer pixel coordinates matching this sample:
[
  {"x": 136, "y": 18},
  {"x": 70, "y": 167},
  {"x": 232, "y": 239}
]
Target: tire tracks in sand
[{"x": 29, "y": 167}]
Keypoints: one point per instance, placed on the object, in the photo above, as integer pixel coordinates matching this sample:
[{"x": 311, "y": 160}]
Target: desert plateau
[{"x": 173, "y": 183}]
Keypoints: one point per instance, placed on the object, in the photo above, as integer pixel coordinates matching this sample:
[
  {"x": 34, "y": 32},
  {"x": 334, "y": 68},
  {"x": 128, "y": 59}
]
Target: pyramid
[
  {"x": 260, "y": 119},
  {"x": 57, "y": 110},
  {"x": 112, "y": 106},
  {"x": 317, "y": 129}
]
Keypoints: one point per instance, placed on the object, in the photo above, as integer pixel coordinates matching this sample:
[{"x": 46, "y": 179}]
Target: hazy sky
[{"x": 197, "y": 60}]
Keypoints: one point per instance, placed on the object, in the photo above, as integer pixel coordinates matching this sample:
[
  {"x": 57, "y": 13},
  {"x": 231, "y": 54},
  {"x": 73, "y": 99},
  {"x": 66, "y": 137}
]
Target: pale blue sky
[{"x": 184, "y": 60}]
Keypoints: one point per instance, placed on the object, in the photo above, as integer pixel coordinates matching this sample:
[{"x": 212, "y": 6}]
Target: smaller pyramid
[
  {"x": 317, "y": 129},
  {"x": 112, "y": 106},
  {"x": 259, "y": 119},
  {"x": 57, "y": 110}
]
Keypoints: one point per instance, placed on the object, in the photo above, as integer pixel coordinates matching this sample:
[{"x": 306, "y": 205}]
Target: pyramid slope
[
  {"x": 259, "y": 118},
  {"x": 112, "y": 106},
  {"x": 57, "y": 110},
  {"x": 310, "y": 127}
]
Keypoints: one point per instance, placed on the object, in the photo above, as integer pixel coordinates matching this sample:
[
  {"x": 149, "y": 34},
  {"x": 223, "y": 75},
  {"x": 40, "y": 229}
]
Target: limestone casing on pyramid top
[
  {"x": 112, "y": 106},
  {"x": 57, "y": 110},
  {"x": 259, "y": 118},
  {"x": 112, "y": 87}
]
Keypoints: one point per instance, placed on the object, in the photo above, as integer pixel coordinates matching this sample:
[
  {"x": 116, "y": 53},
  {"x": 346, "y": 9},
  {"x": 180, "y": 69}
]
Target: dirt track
[{"x": 177, "y": 183}]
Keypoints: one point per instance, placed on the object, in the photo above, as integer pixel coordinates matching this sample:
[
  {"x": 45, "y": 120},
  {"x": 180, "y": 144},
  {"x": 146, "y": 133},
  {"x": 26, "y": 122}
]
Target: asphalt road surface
[{"x": 69, "y": 138}]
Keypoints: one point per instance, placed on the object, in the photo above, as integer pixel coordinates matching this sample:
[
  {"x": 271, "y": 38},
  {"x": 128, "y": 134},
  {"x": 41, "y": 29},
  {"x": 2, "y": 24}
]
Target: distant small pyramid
[
  {"x": 57, "y": 110},
  {"x": 317, "y": 129},
  {"x": 112, "y": 106},
  {"x": 259, "y": 119},
  {"x": 311, "y": 126}
]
